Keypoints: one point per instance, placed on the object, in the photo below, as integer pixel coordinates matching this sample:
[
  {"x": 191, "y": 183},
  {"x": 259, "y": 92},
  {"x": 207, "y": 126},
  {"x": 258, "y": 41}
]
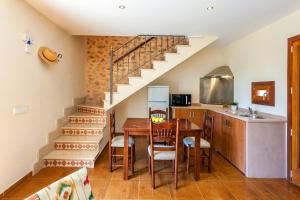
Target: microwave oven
[{"x": 180, "y": 99}]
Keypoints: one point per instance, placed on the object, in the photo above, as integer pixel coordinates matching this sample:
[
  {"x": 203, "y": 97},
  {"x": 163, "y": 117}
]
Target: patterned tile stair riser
[
  {"x": 68, "y": 163},
  {"x": 97, "y": 111},
  {"x": 86, "y": 132},
  {"x": 76, "y": 146},
  {"x": 87, "y": 120}
]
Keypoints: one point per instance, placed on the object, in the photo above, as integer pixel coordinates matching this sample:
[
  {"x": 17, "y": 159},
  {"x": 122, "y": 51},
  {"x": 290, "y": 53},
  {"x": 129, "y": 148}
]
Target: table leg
[
  {"x": 197, "y": 157},
  {"x": 125, "y": 161}
]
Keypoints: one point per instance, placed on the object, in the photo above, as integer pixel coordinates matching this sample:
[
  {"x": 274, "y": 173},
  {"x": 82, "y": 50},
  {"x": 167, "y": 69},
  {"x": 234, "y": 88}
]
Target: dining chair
[
  {"x": 169, "y": 133},
  {"x": 116, "y": 141},
  {"x": 158, "y": 113},
  {"x": 205, "y": 143}
]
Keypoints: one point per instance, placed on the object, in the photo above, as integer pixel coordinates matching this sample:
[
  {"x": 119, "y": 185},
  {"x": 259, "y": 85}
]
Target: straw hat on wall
[{"x": 49, "y": 56}]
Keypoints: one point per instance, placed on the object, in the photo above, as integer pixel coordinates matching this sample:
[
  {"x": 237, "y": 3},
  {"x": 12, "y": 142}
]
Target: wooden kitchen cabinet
[
  {"x": 194, "y": 115},
  {"x": 237, "y": 144},
  {"x": 229, "y": 133},
  {"x": 233, "y": 141}
]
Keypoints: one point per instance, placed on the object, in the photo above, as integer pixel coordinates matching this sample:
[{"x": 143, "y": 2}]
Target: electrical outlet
[{"x": 20, "y": 109}]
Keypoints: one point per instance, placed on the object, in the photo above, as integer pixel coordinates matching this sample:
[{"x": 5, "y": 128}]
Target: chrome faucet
[{"x": 250, "y": 110}]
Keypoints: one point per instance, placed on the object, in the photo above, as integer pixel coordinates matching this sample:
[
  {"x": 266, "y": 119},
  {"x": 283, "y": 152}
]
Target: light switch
[{"x": 20, "y": 109}]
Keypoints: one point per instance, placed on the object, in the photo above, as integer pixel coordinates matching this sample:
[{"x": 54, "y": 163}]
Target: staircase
[
  {"x": 134, "y": 65},
  {"x": 144, "y": 59},
  {"x": 78, "y": 144}
]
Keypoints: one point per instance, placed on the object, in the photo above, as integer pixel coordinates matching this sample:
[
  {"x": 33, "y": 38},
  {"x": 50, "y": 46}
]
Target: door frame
[{"x": 289, "y": 105}]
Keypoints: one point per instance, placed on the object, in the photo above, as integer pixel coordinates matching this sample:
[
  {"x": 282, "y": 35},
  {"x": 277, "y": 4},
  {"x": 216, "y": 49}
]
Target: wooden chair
[
  {"x": 159, "y": 113},
  {"x": 205, "y": 143},
  {"x": 169, "y": 133},
  {"x": 116, "y": 141}
]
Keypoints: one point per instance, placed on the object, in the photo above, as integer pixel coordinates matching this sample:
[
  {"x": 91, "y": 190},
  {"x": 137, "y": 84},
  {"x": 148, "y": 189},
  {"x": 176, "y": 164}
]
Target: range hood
[{"x": 217, "y": 86}]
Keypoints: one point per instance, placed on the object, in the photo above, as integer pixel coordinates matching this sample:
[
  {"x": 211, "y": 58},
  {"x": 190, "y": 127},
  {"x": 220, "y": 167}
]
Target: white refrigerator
[{"x": 158, "y": 97}]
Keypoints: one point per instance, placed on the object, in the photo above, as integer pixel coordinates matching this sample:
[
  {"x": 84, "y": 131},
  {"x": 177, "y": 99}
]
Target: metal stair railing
[{"x": 137, "y": 53}]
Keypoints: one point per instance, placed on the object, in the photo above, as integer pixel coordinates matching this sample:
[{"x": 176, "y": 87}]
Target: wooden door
[{"x": 294, "y": 104}]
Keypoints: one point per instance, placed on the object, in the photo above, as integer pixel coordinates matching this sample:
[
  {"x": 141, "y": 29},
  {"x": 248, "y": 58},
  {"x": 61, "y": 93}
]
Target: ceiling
[{"x": 229, "y": 20}]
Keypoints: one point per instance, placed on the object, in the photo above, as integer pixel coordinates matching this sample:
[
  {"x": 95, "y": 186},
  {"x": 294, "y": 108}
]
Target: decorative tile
[
  {"x": 83, "y": 131},
  {"x": 91, "y": 110},
  {"x": 76, "y": 146},
  {"x": 68, "y": 163},
  {"x": 87, "y": 120}
]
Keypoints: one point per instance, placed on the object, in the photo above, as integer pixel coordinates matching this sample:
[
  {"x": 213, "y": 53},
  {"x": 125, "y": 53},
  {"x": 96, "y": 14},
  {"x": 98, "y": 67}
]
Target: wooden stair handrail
[{"x": 133, "y": 49}]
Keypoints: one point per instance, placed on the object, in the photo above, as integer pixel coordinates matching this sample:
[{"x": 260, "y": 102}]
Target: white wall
[
  {"x": 25, "y": 80},
  {"x": 185, "y": 78},
  {"x": 262, "y": 56}
]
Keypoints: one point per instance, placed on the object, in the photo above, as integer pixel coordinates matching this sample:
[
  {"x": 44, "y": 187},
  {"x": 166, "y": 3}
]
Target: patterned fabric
[
  {"x": 162, "y": 155},
  {"x": 191, "y": 141},
  {"x": 73, "y": 187}
]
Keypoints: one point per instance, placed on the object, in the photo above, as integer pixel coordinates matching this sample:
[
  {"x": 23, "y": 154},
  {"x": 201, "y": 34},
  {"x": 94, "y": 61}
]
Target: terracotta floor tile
[
  {"x": 147, "y": 192},
  {"x": 212, "y": 190},
  {"x": 122, "y": 190},
  {"x": 29, "y": 187},
  {"x": 185, "y": 190},
  {"x": 225, "y": 182},
  {"x": 245, "y": 190}
]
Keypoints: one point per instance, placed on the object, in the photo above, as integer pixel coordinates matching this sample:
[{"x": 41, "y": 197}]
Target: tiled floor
[{"x": 225, "y": 182}]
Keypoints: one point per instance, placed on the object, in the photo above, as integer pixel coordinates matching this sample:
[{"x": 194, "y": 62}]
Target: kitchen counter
[
  {"x": 226, "y": 111},
  {"x": 255, "y": 146}
]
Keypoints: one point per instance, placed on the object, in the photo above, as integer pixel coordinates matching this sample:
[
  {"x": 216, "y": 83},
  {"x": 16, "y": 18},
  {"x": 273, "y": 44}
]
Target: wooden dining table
[{"x": 141, "y": 127}]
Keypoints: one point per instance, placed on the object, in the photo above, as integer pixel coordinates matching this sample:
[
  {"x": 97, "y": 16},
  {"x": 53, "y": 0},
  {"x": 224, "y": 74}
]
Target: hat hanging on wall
[{"x": 49, "y": 56}]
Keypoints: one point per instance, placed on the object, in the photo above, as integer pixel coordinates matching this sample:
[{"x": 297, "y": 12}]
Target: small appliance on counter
[{"x": 180, "y": 99}]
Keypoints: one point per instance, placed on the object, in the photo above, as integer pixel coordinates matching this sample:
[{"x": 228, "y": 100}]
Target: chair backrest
[
  {"x": 158, "y": 113},
  {"x": 208, "y": 127},
  {"x": 111, "y": 125},
  {"x": 166, "y": 132}
]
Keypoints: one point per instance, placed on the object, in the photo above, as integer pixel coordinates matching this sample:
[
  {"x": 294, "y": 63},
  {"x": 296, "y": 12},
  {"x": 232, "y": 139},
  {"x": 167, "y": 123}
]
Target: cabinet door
[
  {"x": 197, "y": 116},
  {"x": 238, "y": 144},
  {"x": 224, "y": 137},
  {"x": 194, "y": 115},
  {"x": 181, "y": 113},
  {"x": 217, "y": 140},
  {"x": 230, "y": 124}
]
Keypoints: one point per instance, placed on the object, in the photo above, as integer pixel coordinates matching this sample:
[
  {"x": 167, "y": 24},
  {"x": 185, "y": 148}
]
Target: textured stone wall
[
  {"x": 98, "y": 60},
  {"x": 97, "y": 64}
]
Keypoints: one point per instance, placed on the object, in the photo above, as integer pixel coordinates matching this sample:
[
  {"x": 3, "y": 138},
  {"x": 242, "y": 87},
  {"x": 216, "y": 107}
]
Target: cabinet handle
[{"x": 193, "y": 115}]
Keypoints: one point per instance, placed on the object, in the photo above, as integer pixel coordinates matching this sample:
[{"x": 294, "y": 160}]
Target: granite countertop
[{"x": 226, "y": 111}]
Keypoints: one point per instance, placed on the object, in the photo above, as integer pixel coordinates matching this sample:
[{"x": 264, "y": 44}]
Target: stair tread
[
  {"x": 81, "y": 126},
  {"x": 81, "y": 114},
  {"x": 91, "y": 105},
  {"x": 81, "y": 138},
  {"x": 69, "y": 154}
]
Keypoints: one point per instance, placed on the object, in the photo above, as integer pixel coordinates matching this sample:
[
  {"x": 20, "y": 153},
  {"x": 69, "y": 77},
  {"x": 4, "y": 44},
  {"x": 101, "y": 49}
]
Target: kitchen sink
[
  {"x": 258, "y": 117},
  {"x": 252, "y": 116},
  {"x": 244, "y": 115}
]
